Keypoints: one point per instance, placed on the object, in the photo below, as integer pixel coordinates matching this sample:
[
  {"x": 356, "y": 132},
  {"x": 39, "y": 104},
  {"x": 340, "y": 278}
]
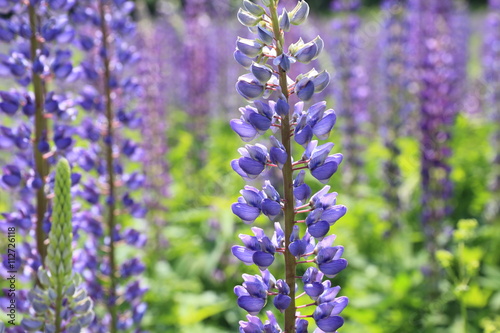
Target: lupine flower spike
[
  {"x": 439, "y": 106},
  {"x": 60, "y": 304},
  {"x": 395, "y": 84},
  {"x": 351, "y": 85},
  {"x": 108, "y": 98},
  {"x": 307, "y": 220},
  {"x": 37, "y": 66},
  {"x": 492, "y": 76}
]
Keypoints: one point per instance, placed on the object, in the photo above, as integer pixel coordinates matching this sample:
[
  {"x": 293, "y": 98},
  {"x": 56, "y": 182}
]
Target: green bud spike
[
  {"x": 59, "y": 250},
  {"x": 61, "y": 287}
]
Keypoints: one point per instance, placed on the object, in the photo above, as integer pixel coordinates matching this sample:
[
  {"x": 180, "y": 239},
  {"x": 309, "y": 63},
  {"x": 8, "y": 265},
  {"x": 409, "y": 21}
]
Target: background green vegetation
[{"x": 192, "y": 280}]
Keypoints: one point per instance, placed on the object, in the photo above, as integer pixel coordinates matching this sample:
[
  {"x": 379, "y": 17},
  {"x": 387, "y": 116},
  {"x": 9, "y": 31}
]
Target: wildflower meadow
[{"x": 252, "y": 166}]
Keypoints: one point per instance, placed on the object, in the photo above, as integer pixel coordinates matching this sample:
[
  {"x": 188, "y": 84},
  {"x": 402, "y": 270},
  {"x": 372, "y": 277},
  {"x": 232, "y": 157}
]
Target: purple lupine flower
[
  {"x": 351, "y": 88},
  {"x": 282, "y": 300},
  {"x": 201, "y": 70},
  {"x": 269, "y": 90},
  {"x": 394, "y": 84},
  {"x": 252, "y": 294},
  {"x": 108, "y": 69},
  {"x": 299, "y": 247},
  {"x": 258, "y": 249},
  {"x": 38, "y": 67},
  {"x": 440, "y": 78},
  {"x": 327, "y": 316},
  {"x": 492, "y": 76},
  {"x": 255, "y": 325}
]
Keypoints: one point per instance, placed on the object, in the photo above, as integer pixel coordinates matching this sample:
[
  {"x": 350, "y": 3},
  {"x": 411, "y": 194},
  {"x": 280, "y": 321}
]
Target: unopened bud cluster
[{"x": 60, "y": 303}]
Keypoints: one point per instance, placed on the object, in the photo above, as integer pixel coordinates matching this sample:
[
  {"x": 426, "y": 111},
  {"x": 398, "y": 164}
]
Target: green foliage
[{"x": 191, "y": 280}]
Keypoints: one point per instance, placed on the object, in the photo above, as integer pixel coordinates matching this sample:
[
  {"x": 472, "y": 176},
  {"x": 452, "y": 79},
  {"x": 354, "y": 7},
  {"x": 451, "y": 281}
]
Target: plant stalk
[
  {"x": 41, "y": 165},
  {"x": 58, "y": 308},
  {"x": 289, "y": 209},
  {"x": 463, "y": 310},
  {"x": 111, "y": 221}
]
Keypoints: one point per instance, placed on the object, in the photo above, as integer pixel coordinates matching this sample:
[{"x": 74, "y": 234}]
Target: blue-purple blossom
[
  {"x": 393, "y": 47},
  {"x": 327, "y": 318},
  {"x": 330, "y": 262},
  {"x": 282, "y": 300},
  {"x": 268, "y": 87},
  {"x": 299, "y": 247},
  {"x": 253, "y": 161},
  {"x": 255, "y": 325},
  {"x": 313, "y": 285},
  {"x": 350, "y": 86},
  {"x": 41, "y": 117},
  {"x": 252, "y": 294},
  {"x": 316, "y": 121},
  {"x": 301, "y": 190},
  {"x": 258, "y": 249},
  {"x": 440, "y": 97}
]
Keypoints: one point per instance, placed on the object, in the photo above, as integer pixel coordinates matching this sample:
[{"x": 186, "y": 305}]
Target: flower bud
[
  {"x": 265, "y": 35},
  {"x": 308, "y": 52},
  {"x": 282, "y": 302},
  {"x": 249, "y": 47},
  {"x": 31, "y": 324},
  {"x": 242, "y": 59},
  {"x": 321, "y": 81},
  {"x": 304, "y": 89},
  {"x": 260, "y": 122},
  {"x": 249, "y": 87},
  {"x": 301, "y": 326},
  {"x": 283, "y": 61},
  {"x": 278, "y": 156},
  {"x": 59, "y": 262},
  {"x": 271, "y": 208},
  {"x": 303, "y": 134},
  {"x": 43, "y": 278},
  {"x": 300, "y": 13},
  {"x": 319, "y": 43},
  {"x": 282, "y": 108},
  {"x": 319, "y": 229},
  {"x": 262, "y": 72},
  {"x": 247, "y": 19},
  {"x": 51, "y": 328},
  {"x": 74, "y": 327},
  {"x": 284, "y": 21},
  {"x": 296, "y": 46},
  {"x": 86, "y": 319},
  {"x": 253, "y": 8}
]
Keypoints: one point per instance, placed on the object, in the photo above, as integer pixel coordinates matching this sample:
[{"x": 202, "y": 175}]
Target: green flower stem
[
  {"x": 109, "y": 164},
  {"x": 463, "y": 279},
  {"x": 463, "y": 310},
  {"x": 59, "y": 254},
  {"x": 41, "y": 165},
  {"x": 289, "y": 209}
]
